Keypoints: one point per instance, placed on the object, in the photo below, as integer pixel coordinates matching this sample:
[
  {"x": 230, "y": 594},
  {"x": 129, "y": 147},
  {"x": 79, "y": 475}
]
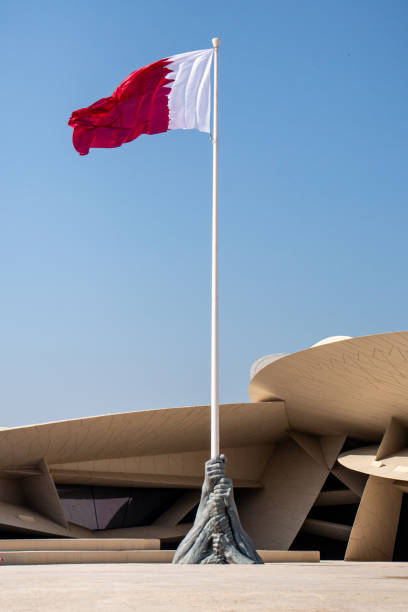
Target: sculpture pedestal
[{"x": 217, "y": 535}]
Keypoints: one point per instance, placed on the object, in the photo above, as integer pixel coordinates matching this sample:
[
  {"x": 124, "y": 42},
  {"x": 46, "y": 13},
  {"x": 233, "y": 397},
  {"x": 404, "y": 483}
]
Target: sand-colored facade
[{"x": 319, "y": 459}]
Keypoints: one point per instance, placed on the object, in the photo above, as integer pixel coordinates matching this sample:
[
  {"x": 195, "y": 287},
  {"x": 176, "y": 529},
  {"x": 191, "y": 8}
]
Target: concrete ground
[{"x": 324, "y": 587}]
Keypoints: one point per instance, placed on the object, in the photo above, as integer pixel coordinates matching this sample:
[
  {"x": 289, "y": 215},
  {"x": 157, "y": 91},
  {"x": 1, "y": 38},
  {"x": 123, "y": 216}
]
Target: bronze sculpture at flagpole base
[{"x": 217, "y": 535}]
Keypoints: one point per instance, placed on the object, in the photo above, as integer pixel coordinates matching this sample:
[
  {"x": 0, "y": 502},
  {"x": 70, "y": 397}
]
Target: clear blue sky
[{"x": 105, "y": 259}]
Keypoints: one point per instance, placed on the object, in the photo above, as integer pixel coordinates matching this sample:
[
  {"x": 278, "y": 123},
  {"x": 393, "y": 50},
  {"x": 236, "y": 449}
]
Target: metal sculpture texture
[{"x": 217, "y": 535}]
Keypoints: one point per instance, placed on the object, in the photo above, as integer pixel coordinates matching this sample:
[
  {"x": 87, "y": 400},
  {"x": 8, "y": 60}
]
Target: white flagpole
[{"x": 215, "y": 424}]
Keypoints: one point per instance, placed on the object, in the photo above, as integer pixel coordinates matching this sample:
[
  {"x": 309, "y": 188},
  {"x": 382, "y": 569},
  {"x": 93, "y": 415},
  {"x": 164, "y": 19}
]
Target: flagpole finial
[{"x": 216, "y": 42}]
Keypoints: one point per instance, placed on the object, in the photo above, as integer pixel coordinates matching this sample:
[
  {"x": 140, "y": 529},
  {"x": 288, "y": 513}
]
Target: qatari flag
[{"x": 171, "y": 94}]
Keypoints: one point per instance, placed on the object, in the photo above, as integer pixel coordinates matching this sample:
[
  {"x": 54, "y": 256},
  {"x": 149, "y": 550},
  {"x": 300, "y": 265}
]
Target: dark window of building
[
  {"x": 401, "y": 541},
  {"x": 78, "y": 504},
  {"x": 100, "y": 508},
  {"x": 111, "y": 504},
  {"x": 146, "y": 505},
  {"x": 190, "y": 517},
  {"x": 343, "y": 514},
  {"x": 333, "y": 484},
  {"x": 329, "y": 549}
]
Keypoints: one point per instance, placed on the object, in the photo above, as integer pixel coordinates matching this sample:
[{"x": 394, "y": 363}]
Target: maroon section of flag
[
  {"x": 173, "y": 93},
  {"x": 138, "y": 106}
]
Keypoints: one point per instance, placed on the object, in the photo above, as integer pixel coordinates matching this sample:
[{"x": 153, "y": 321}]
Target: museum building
[{"x": 319, "y": 459}]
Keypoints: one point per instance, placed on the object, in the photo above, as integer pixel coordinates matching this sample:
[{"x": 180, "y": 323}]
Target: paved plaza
[{"x": 324, "y": 587}]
